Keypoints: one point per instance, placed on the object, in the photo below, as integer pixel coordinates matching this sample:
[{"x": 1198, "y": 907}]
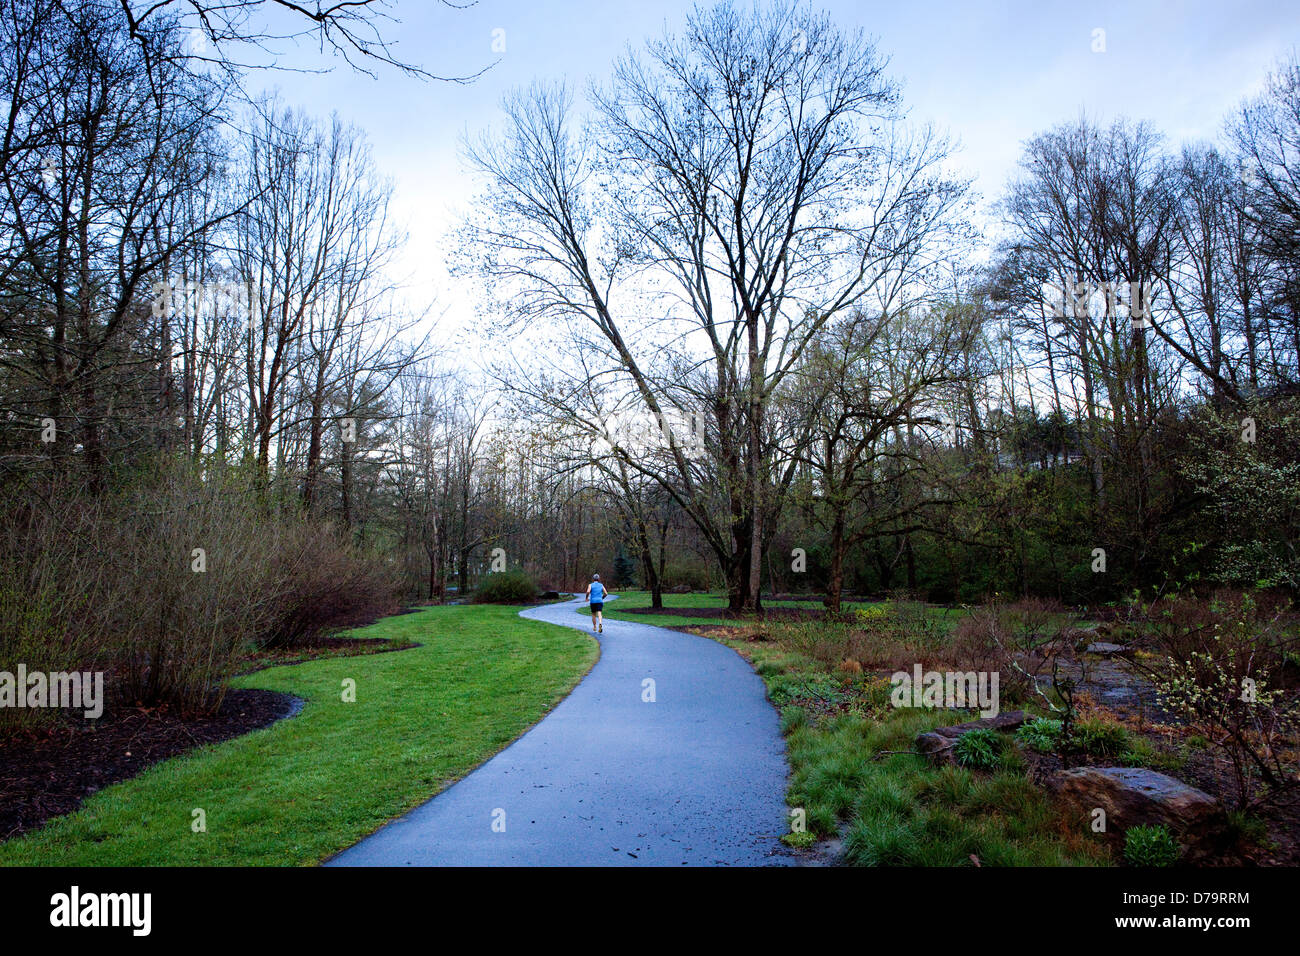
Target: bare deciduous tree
[{"x": 747, "y": 182}]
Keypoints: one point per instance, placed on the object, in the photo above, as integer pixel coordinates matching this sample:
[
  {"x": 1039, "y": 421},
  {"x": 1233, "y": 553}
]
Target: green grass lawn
[
  {"x": 307, "y": 787},
  {"x": 629, "y": 603},
  {"x": 631, "y": 606}
]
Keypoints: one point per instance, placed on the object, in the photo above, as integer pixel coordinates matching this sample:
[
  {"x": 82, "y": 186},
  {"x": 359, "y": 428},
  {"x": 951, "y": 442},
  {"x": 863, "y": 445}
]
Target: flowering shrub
[{"x": 1215, "y": 670}]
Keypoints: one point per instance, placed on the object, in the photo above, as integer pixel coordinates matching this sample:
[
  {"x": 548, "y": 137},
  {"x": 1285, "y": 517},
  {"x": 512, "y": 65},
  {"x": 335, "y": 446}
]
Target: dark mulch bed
[
  {"x": 46, "y": 774},
  {"x": 810, "y": 598}
]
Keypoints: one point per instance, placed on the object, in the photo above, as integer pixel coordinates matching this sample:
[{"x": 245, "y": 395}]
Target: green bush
[
  {"x": 506, "y": 587},
  {"x": 979, "y": 749},
  {"x": 1041, "y": 733},
  {"x": 1099, "y": 738},
  {"x": 1150, "y": 846}
]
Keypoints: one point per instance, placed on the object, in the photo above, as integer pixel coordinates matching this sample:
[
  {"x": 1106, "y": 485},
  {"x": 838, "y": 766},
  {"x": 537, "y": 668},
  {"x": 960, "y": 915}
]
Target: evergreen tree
[{"x": 624, "y": 569}]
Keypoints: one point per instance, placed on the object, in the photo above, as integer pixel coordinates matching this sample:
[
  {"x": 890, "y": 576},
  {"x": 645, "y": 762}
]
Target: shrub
[
  {"x": 920, "y": 631},
  {"x": 324, "y": 582},
  {"x": 872, "y": 613},
  {"x": 506, "y": 587},
  {"x": 1150, "y": 846},
  {"x": 167, "y": 581},
  {"x": 1032, "y": 621},
  {"x": 1099, "y": 738},
  {"x": 193, "y": 584},
  {"x": 35, "y": 631},
  {"x": 1254, "y": 486},
  {"x": 53, "y": 591},
  {"x": 110, "y": 582},
  {"x": 1214, "y": 666},
  {"x": 1041, "y": 733},
  {"x": 978, "y": 749},
  {"x": 983, "y": 642}
]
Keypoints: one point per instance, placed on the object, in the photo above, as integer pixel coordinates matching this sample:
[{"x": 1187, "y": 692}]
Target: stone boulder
[
  {"x": 1107, "y": 649},
  {"x": 937, "y": 744},
  {"x": 1133, "y": 796},
  {"x": 1008, "y": 721}
]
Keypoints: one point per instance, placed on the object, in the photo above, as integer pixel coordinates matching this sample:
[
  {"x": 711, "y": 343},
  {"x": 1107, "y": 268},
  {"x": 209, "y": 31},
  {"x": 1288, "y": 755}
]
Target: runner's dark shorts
[{"x": 597, "y": 608}]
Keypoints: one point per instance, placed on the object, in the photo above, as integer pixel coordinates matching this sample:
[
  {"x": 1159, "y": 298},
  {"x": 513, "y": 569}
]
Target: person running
[{"x": 596, "y": 598}]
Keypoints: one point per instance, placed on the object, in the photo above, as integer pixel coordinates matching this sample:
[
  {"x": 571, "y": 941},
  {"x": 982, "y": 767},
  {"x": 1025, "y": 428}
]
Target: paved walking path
[{"x": 697, "y": 777}]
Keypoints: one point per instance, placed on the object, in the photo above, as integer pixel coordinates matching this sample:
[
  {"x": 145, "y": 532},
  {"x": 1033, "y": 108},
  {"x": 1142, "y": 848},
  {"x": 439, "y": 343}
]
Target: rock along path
[{"x": 696, "y": 777}]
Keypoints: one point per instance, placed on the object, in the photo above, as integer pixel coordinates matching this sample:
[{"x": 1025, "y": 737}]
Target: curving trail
[{"x": 606, "y": 779}]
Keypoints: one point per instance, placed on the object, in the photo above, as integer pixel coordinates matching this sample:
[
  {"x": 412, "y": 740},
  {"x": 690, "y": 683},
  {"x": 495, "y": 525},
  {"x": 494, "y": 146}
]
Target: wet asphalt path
[{"x": 696, "y": 777}]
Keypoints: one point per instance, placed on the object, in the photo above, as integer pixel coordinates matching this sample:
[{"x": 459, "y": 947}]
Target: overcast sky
[{"x": 992, "y": 74}]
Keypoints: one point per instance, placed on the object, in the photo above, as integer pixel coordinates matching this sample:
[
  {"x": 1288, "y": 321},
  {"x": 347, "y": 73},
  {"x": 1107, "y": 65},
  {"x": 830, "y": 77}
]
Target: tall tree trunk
[
  {"x": 345, "y": 483},
  {"x": 835, "y": 585},
  {"x": 312, "y": 473},
  {"x": 657, "y": 595},
  {"x": 647, "y": 562}
]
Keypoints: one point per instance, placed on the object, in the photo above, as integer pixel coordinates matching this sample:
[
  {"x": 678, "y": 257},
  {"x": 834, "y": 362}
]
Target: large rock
[
  {"x": 1134, "y": 795},
  {"x": 1008, "y": 721},
  {"x": 937, "y": 744},
  {"x": 1107, "y": 649}
]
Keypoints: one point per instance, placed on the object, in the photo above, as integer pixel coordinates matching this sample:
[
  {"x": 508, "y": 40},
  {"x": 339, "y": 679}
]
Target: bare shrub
[
  {"x": 321, "y": 581},
  {"x": 985, "y": 641},
  {"x": 918, "y": 633},
  {"x": 1032, "y": 622},
  {"x": 823, "y": 641},
  {"x": 166, "y": 583},
  {"x": 190, "y": 586},
  {"x": 50, "y": 587}
]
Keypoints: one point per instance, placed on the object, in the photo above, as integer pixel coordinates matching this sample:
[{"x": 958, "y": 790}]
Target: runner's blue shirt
[{"x": 597, "y": 592}]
